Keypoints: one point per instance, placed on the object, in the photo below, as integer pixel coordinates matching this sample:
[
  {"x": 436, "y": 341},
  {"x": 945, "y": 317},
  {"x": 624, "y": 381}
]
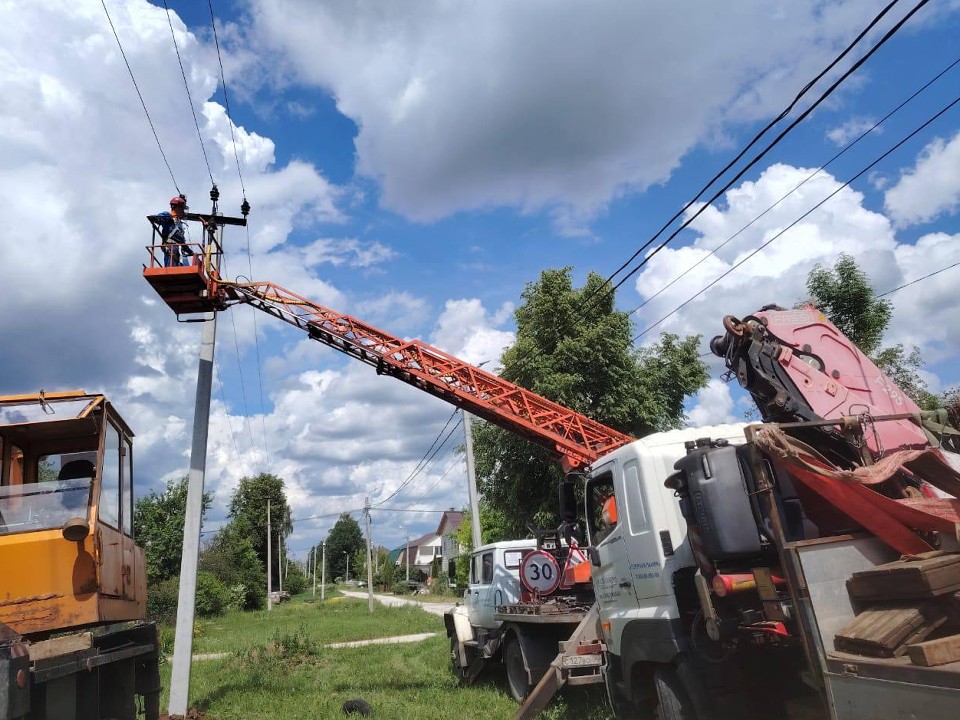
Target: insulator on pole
[
  {"x": 214, "y": 193},
  {"x": 244, "y": 208}
]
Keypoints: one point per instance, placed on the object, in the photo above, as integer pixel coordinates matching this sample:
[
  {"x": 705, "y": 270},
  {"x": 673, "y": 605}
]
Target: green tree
[
  {"x": 344, "y": 538},
  {"x": 575, "y": 348},
  {"x": 232, "y": 559},
  {"x": 845, "y": 296},
  {"x": 248, "y": 509},
  {"x": 158, "y": 519}
]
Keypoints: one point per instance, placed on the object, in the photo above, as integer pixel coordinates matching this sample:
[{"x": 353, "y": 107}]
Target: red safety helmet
[
  {"x": 178, "y": 201},
  {"x": 610, "y": 511}
]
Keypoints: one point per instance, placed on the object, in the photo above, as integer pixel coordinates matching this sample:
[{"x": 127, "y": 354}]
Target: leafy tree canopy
[
  {"x": 248, "y": 509},
  {"x": 576, "y": 349},
  {"x": 158, "y": 519},
  {"x": 845, "y": 295},
  {"x": 231, "y": 557},
  {"x": 345, "y": 537}
]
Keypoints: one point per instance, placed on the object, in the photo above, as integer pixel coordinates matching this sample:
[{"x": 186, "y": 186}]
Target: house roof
[{"x": 449, "y": 522}]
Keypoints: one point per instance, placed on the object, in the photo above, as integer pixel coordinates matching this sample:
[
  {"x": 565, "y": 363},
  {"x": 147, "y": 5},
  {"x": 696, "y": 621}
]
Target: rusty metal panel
[{"x": 48, "y": 582}]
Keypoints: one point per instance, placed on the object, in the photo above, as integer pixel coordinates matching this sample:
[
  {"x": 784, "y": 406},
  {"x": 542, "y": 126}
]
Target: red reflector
[{"x": 590, "y": 649}]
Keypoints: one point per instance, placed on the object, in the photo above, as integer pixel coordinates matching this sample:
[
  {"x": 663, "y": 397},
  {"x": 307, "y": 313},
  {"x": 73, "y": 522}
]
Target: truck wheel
[
  {"x": 673, "y": 702},
  {"x": 459, "y": 671},
  {"x": 517, "y": 677}
]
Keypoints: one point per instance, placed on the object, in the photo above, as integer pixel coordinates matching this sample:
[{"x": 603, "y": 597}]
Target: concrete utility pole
[
  {"x": 407, "y": 553},
  {"x": 186, "y": 600},
  {"x": 348, "y": 565},
  {"x": 269, "y": 560},
  {"x": 366, "y": 511},
  {"x": 472, "y": 482},
  {"x": 314, "y": 570},
  {"x": 280, "y": 560},
  {"x": 323, "y": 573}
]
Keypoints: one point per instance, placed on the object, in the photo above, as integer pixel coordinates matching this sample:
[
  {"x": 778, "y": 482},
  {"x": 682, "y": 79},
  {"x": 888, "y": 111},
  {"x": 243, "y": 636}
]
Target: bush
[
  {"x": 212, "y": 595},
  {"x": 162, "y": 600},
  {"x": 295, "y": 582}
]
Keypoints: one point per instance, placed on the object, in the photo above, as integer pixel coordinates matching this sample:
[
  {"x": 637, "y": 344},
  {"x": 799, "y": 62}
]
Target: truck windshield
[{"x": 43, "y": 505}]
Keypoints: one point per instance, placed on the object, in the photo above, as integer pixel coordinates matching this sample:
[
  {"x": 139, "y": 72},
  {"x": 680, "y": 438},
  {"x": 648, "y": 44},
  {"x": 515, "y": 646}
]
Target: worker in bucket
[{"x": 173, "y": 230}]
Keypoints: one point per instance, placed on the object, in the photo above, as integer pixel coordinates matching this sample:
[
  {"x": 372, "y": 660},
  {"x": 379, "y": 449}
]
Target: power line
[
  {"x": 829, "y": 91},
  {"x": 798, "y": 186},
  {"x": 139, "y": 95},
  {"x": 599, "y": 295},
  {"x": 912, "y": 282},
  {"x": 803, "y": 216},
  {"x": 236, "y": 447},
  {"x": 427, "y": 458},
  {"x": 186, "y": 85},
  {"x": 226, "y": 100}
]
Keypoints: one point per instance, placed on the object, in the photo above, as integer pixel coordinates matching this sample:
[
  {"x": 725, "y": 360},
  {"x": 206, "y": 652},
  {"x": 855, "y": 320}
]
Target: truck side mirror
[
  {"x": 75, "y": 529},
  {"x": 594, "y": 556}
]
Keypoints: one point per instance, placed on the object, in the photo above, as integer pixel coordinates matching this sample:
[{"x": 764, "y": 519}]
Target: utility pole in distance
[
  {"x": 280, "y": 559},
  {"x": 348, "y": 566},
  {"x": 472, "y": 482},
  {"x": 314, "y": 570},
  {"x": 407, "y": 553},
  {"x": 366, "y": 511},
  {"x": 323, "y": 573},
  {"x": 269, "y": 560}
]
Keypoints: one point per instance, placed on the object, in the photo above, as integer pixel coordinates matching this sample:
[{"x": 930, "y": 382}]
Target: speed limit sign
[{"x": 539, "y": 572}]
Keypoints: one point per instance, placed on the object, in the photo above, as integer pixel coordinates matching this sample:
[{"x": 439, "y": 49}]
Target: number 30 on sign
[{"x": 539, "y": 572}]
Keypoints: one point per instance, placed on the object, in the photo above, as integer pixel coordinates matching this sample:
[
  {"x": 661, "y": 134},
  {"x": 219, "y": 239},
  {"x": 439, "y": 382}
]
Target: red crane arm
[{"x": 575, "y": 439}]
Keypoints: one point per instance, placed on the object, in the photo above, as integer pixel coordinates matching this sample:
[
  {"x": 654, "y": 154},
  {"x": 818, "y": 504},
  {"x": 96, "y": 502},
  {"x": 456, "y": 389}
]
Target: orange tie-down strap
[{"x": 892, "y": 521}]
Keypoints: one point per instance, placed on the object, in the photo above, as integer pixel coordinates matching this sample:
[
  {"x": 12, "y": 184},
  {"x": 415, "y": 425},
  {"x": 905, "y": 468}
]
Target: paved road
[{"x": 396, "y": 601}]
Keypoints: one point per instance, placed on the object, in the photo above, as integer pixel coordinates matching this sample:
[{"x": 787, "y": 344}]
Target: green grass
[
  {"x": 279, "y": 669},
  {"x": 337, "y": 619}
]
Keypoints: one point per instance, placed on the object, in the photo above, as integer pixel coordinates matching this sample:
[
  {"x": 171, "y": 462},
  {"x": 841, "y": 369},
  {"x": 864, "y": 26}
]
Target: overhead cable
[
  {"x": 829, "y": 91},
  {"x": 913, "y": 282},
  {"x": 139, "y": 95},
  {"x": 226, "y": 99},
  {"x": 802, "y": 217},
  {"x": 424, "y": 462},
  {"x": 186, "y": 86},
  {"x": 797, "y": 187}
]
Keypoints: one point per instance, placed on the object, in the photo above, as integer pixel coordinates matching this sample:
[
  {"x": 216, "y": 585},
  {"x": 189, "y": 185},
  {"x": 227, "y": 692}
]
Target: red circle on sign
[{"x": 540, "y": 572}]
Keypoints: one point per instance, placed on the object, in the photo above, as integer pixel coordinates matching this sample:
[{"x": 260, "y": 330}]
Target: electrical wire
[
  {"x": 426, "y": 494},
  {"x": 186, "y": 85},
  {"x": 139, "y": 95},
  {"x": 426, "y": 461},
  {"x": 802, "y": 217},
  {"x": 226, "y": 99},
  {"x": 223, "y": 397},
  {"x": 798, "y": 186},
  {"x": 600, "y": 295},
  {"x": 829, "y": 91},
  {"x": 913, "y": 282},
  {"x": 243, "y": 389}
]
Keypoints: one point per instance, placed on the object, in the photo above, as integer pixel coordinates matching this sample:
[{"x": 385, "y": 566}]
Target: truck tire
[
  {"x": 459, "y": 671},
  {"x": 517, "y": 677},
  {"x": 673, "y": 703}
]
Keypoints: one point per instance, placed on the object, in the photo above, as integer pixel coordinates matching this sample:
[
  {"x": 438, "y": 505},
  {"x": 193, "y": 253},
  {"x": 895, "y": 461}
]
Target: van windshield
[{"x": 43, "y": 505}]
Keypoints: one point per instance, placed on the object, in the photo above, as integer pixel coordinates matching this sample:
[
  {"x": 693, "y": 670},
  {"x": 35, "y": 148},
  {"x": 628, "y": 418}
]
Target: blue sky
[{"x": 416, "y": 164}]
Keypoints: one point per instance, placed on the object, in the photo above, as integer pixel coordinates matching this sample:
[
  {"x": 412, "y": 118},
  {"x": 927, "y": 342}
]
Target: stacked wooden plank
[{"x": 907, "y": 603}]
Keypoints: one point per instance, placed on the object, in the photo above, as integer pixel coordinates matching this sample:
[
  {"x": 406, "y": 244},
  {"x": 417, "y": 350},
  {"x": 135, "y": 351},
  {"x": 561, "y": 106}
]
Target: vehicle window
[
  {"x": 600, "y": 497},
  {"x": 512, "y": 558},
  {"x": 475, "y": 569},
  {"x": 488, "y": 567},
  {"x": 62, "y": 491},
  {"x": 109, "y": 512},
  {"x": 126, "y": 492},
  {"x": 636, "y": 505}
]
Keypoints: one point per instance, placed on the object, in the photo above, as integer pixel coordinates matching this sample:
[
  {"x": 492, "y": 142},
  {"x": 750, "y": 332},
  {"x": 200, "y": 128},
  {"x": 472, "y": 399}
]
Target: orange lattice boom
[{"x": 576, "y": 439}]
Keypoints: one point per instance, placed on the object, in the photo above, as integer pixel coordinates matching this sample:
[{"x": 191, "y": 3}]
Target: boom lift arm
[{"x": 574, "y": 438}]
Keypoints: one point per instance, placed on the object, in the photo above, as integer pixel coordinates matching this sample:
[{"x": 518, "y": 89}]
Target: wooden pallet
[
  {"x": 885, "y": 631},
  {"x": 930, "y": 575}
]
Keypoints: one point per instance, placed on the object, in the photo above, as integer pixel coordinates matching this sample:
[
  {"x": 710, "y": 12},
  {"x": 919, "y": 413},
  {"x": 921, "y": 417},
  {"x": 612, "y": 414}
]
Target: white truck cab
[{"x": 494, "y": 580}]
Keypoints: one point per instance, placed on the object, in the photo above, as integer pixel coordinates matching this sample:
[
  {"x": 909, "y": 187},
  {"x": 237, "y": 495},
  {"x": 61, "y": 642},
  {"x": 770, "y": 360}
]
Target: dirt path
[{"x": 435, "y": 608}]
